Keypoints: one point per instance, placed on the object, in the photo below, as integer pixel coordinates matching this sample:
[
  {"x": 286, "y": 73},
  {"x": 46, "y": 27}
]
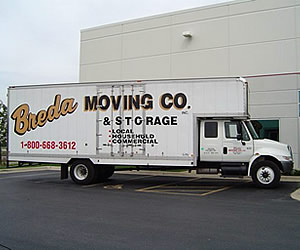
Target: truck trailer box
[{"x": 160, "y": 123}]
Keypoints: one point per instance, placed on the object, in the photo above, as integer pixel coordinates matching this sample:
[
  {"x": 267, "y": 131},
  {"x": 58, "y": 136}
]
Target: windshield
[{"x": 252, "y": 130}]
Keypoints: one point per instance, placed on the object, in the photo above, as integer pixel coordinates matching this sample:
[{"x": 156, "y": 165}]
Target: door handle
[{"x": 225, "y": 150}]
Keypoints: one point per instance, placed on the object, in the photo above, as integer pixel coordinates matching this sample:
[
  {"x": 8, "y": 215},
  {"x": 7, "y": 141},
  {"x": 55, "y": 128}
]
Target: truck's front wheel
[
  {"x": 83, "y": 172},
  {"x": 266, "y": 174}
]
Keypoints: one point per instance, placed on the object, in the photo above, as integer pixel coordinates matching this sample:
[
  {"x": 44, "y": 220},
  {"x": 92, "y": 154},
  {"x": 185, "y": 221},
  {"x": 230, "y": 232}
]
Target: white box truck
[{"x": 200, "y": 124}]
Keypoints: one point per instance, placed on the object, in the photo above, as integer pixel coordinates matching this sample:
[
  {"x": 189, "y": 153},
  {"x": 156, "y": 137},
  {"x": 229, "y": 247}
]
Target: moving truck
[{"x": 200, "y": 124}]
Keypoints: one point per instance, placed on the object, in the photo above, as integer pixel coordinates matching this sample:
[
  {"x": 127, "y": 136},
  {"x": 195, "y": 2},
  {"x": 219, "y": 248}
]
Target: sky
[{"x": 40, "y": 39}]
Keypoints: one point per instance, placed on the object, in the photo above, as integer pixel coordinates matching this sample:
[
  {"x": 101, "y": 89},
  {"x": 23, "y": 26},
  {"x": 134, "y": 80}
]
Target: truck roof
[{"x": 129, "y": 82}]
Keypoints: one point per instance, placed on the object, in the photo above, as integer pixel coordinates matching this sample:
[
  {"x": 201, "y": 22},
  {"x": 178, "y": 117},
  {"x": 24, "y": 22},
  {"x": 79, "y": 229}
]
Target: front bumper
[{"x": 287, "y": 166}]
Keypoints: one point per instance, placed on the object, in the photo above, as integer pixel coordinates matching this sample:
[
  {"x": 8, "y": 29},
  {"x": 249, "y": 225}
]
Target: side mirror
[
  {"x": 239, "y": 128},
  {"x": 239, "y": 137}
]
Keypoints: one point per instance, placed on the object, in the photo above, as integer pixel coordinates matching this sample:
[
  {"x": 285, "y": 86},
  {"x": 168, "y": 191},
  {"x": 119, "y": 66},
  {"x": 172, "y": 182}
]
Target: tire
[
  {"x": 266, "y": 174},
  {"x": 104, "y": 172},
  {"x": 83, "y": 172}
]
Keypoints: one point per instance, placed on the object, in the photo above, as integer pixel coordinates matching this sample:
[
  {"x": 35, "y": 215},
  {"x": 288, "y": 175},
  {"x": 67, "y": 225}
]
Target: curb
[
  {"x": 296, "y": 195},
  {"x": 290, "y": 178}
]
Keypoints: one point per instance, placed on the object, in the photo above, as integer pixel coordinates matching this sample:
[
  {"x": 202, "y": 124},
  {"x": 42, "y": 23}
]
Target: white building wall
[{"x": 247, "y": 38}]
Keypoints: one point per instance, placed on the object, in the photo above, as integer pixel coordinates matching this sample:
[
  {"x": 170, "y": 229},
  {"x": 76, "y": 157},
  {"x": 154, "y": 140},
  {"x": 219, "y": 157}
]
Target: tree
[{"x": 3, "y": 124}]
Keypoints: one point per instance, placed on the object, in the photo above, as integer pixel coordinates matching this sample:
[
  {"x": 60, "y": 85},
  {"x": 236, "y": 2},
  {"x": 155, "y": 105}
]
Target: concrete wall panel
[
  {"x": 206, "y": 34},
  {"x": 274, "y": 97},
  {"x": 289, "y": 132},
  {"x": 200, "y": 14},
  {"x": 101, "y": 50},
  {"x": 298, "y": 53},
  {"x": 271, "y": 57},
  {"x": 201, "y": 63},
  {"x": 273, "y": 111},
  {"x": 258, "y": 5},
  {"x": 100, "y": 72},
  {"x": 147, "y": 43},
  {"x": 272, "y": 83},
  {"x": 146, "y": 68},
  {"x": 263, "y": 26},
  {"x": 298, "y": 20},
  {"x": 147, "y": 23},
  {"x": 102, "y": 31}
]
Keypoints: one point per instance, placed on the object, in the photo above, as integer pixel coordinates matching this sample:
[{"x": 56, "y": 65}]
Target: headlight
[{"x": 287, "y": 158}]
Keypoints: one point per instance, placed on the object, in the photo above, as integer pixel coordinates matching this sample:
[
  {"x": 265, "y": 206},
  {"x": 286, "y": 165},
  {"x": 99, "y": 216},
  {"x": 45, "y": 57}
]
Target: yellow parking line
[
  {"x": 169, "y": 188},
  {"x": 222, "y": 189},
  {"x": 184, "y": 190},
  {"x": 138, "y": 178},
  {"x": 177, "y": 192},
  {"x": 103, "y": 183},
  {"x": 207, "y": 187},
  {"x": 117, "y": 187},
  {"x": 217, "y": 190},
  {"x": 155, "y": 187},
  {"x": 166, "y": 184},
  {"x": 162, "y": 192}
]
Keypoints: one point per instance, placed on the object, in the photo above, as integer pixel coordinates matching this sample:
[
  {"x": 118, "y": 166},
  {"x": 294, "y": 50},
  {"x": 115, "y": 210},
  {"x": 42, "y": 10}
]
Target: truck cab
[{"x": 233, "y": 148}]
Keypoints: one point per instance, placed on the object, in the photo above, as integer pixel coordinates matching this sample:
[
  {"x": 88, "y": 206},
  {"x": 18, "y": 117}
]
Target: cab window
[
  {"x": 231, "y": 131},
  {"x": 210, "y": 129}
]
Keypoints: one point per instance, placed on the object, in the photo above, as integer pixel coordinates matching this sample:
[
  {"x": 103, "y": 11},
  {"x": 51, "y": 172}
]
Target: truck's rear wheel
[
  {"x": 104, "y": 172},
  {"x": 266, "y": 174},
  {"x": 83, "y": 172}
]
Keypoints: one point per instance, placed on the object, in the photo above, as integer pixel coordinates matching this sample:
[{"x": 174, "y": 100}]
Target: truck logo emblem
[
  {"x": 26, "y": 121},
  {"x": 236, "y": 150}
]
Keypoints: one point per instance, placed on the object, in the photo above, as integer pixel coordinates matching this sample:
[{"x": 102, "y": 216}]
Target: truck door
[
  {"x": 132, "y": 124},
  {"x": 116, "y": 127},
  {"x": 235, "y": 150},
  {"x": 105, "y": 120},
  {"x": 211, "y": 140}
]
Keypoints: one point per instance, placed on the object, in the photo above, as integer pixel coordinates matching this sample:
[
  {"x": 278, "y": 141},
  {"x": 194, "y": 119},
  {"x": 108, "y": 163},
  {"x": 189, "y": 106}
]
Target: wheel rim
[
  {"x": 81, "y": 172},
  {"x": 265, "y": 175}
]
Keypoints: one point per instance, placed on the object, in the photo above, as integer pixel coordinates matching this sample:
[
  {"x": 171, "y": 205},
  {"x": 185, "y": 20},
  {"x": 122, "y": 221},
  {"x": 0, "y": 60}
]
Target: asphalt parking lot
[{"x": 141, "y": 211}]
